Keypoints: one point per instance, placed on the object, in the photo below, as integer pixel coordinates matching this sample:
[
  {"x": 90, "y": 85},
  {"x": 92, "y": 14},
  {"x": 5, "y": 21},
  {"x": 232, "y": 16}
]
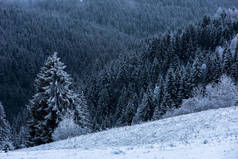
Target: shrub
[
  {"x": 67, "y": 128},
  {"x": 224, "y": 94}
]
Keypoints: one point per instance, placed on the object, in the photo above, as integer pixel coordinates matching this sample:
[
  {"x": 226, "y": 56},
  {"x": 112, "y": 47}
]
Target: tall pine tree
[
  {"x": 145, "y": 108},
  {"x": 157, "y": 99},
  {"x": 5, "y": 131},
  {"x": 227, "y": 62},
  {"x": 53, "y": 99},
  {"x": 83, "y": 117}
]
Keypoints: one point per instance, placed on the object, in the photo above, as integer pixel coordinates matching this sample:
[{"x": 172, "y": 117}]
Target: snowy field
[{"x": 211, "y": 134}]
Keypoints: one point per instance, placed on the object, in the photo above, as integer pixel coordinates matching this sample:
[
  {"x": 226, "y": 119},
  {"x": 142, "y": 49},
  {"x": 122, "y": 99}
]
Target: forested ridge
[
  {"x": 142, "y": 86},
  {"x": 133, "y": 60},
  {"x": 86, "y": 34}
]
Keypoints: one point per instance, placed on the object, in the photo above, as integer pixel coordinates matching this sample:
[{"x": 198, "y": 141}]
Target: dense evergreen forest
[
  {"x": 133, "y": 60},
  {"x": 86, "y": 34}
]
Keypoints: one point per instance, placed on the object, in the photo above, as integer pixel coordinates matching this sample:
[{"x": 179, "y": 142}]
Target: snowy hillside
[{"x": 211, "y": 134}]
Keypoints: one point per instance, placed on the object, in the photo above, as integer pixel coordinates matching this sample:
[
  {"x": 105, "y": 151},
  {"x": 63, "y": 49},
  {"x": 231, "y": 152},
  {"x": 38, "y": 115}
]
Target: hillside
[
  {"x": 87, "y": 35},
  {"x": 211, "y": 134},
  {"x": 115, "y": 78}
]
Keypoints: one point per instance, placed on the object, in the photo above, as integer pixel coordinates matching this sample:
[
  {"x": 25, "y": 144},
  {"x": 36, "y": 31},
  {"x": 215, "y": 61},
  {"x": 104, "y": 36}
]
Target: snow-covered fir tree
[
  {"x": 196, "y": 74},
  {"x": 169, "y": 91},
  {"x": 129, "y": 112},
  {"x": 157, "y": 99},
  {"x": 227, "y": 62},
  {"x": 53, "y": 99},
  {"x": 145, "y": 109},
  {"x": 5, "y": 131},
  {"x": 83, "y": 115},
  {"x": 141, "y": 110}
]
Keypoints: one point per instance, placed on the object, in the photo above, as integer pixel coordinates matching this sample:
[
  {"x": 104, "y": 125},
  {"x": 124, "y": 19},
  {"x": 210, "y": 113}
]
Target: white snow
[{"x": 211, "y": 134}]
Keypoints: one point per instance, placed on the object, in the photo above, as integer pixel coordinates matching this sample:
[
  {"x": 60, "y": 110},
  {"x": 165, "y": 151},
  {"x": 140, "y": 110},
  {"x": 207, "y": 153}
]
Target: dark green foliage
[
  {"x": 145, "y": 108},
  {"x": 227, "y": 61},
  {"x": 130, "y": 111},
  {"x": 87, "y": 35},
  {"x": 54, "y": 97},
  {"x": 180, "y": 61},
  {"x": 5, "y": 131},
  {"x": 103, "y": 44}
]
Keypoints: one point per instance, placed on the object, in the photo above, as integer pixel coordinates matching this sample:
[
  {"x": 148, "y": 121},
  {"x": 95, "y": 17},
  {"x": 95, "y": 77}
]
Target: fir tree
[
  {"x": 5, "y": 131},
  {"x": 196, "y": 74},
  {"x": 217, "y": 70},
  {"x": 145, "y": 108},
  {"x": 83, "y": 117},
  {"x": 20, "y": 129},
  {"x": 227, "y": 61},
  {"x": 141, "y": 110},
  {"x": 234, "y": 70},
  {"x": 169, "y": 91},
  {"x": 178, "y": 97},
  {"x": 155, "y": 70},
  {"x": 129, "y": 112},
  {"x": 186, "y": 83},
  {"x": 54, "y": 97},
  {"x": 121, "y": 106},
  {"x": 157, "y": 99}
]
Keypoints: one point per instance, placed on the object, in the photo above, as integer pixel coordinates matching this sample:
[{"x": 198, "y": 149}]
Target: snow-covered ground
[{"x": 211, "y": 134}]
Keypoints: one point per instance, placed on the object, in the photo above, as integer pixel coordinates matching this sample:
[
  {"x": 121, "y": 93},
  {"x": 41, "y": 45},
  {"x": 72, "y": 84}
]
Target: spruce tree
[
  {"x": 83, "y": 117},
  {"x": 5, "y": 131},
  {"x": 155, "y": 70},
  {"x": 141, "y": 110},
  {"x": 196, "y": 74},
  {"x": 157, "y": 99},
  {"x": 217, "y": 69},
  {"x": 53, "y": 99},
  {"x": 145, "y": 108},
  {"x": 178, "y": 97},
  {"x": 170, "y": 90},
  {"x": 20, "y": 129},
  {"x": 186, "y": 85},
  {"x": 129, "y": 112},
  {"x": 227, "y": 62},
  {"x": 234, "y": 70}
]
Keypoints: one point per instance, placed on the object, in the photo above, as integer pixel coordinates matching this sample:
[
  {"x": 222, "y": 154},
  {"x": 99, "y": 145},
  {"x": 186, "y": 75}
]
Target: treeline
[
  {"x": 86, "y": 34},
  {"x": 124, "y": 82},
  {"x": 55, "y": 111},
  {"x": 142, "y": 86},
  {"x": 139, "y": 86}
]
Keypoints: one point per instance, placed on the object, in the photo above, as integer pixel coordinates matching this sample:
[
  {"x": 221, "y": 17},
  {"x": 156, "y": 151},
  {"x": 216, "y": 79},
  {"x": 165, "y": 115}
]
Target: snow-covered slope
[{"x": 211, "y": 134}]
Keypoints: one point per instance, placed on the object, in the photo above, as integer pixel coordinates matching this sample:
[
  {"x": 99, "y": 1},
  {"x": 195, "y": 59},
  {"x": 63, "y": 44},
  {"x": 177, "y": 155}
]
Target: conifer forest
[{"x": 76, "y": 67}]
